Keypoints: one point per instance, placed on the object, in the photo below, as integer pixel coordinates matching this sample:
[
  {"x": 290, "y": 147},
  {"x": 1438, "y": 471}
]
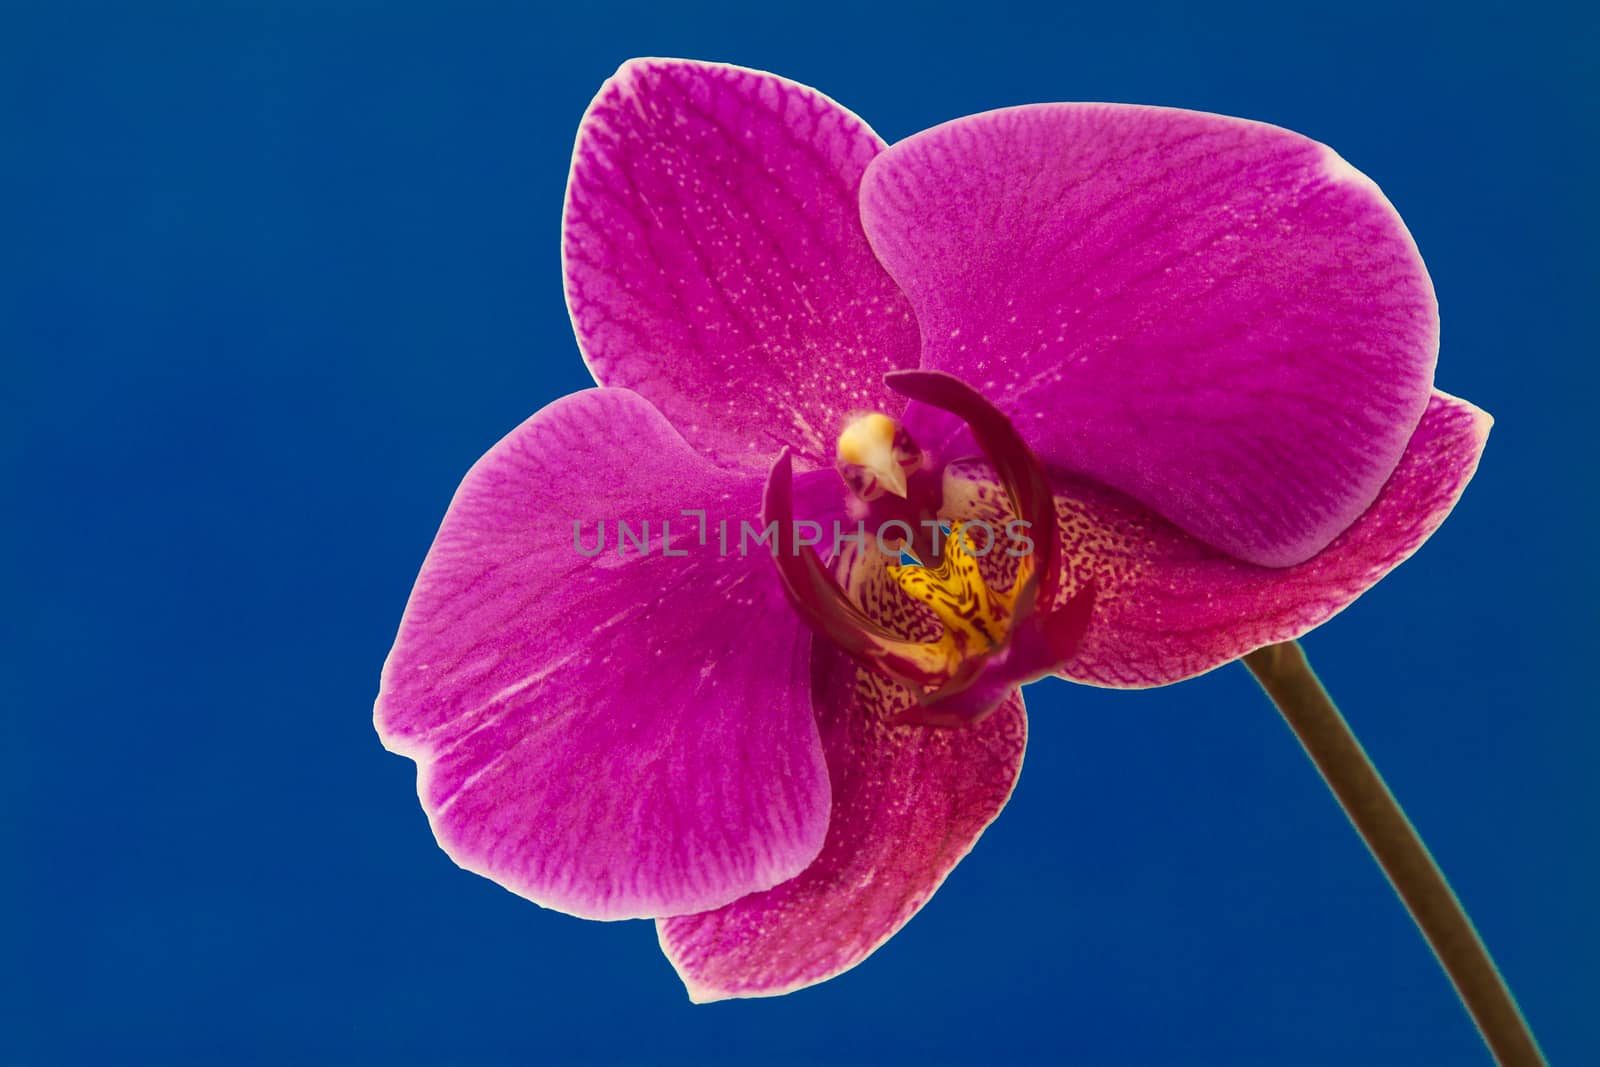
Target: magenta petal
[
  {"x": 908, "y": 803},
  {"x": 1221, "y": 318},
  {"x": 1169, "y": 607},
  {"x": 715, "y": 260},
  {"x": 611, "y": 736}
]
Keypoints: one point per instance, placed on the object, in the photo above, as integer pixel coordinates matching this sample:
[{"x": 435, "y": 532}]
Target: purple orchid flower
[{"x": 1192, "y": 354}]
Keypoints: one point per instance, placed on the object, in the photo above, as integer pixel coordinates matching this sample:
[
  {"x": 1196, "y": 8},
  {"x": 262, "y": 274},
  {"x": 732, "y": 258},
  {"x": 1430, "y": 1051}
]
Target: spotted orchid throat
[{"x": 989, "y": 640}]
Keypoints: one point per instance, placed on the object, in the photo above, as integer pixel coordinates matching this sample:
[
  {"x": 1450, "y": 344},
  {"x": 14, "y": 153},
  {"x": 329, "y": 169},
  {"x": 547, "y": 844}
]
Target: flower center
[{"x": 977, "y": 624}]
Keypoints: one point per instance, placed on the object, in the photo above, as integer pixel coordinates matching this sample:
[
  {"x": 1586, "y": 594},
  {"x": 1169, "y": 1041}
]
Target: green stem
[{"x": 1288, "y": 679}]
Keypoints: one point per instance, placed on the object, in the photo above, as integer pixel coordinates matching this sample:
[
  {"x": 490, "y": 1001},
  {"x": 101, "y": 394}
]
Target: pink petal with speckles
[
  {"x": 1169, "y": 607},
  {"x": 612, "y": 735},
  {"x": 715, "y": 261},
  {"x": 908, "y": 803},
  {"x": 1221, "y": 318}
]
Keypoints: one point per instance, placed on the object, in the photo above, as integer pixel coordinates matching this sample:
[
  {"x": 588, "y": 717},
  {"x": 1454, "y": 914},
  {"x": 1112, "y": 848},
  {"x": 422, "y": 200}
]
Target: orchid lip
[{"x": 948, "y": 673}]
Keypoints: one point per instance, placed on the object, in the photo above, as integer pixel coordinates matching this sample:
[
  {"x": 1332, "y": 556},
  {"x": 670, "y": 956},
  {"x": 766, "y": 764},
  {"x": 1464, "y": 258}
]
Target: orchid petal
[
  {"x": 611, "y": 735},
  {"x": 1169, "y": 607},
  {"x": 1220, "y": 318},
  {"x": 715, "y": 261},
  {"x": 908, "y": 803}
]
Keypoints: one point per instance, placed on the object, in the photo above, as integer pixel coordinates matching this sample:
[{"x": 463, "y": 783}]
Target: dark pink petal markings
[
  {"x": 908, "y": 803},
  {"x": 1221, "y": 318},
  {"x": 715, "y": 261},
  {"x": 1169, "y": 607},
  {"x": 611, "y": 736}
]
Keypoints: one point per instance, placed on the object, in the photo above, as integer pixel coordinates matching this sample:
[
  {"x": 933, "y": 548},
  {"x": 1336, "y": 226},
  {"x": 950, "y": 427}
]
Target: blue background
[{"x": 273, "y": 276}]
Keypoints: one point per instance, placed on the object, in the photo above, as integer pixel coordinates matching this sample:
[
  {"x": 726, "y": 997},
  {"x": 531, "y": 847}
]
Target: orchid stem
[{"x": 1288, "y": 679}]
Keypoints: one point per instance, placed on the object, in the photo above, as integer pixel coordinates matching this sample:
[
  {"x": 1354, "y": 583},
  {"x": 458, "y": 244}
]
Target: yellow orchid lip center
[{"x": 976, "y": 619}]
